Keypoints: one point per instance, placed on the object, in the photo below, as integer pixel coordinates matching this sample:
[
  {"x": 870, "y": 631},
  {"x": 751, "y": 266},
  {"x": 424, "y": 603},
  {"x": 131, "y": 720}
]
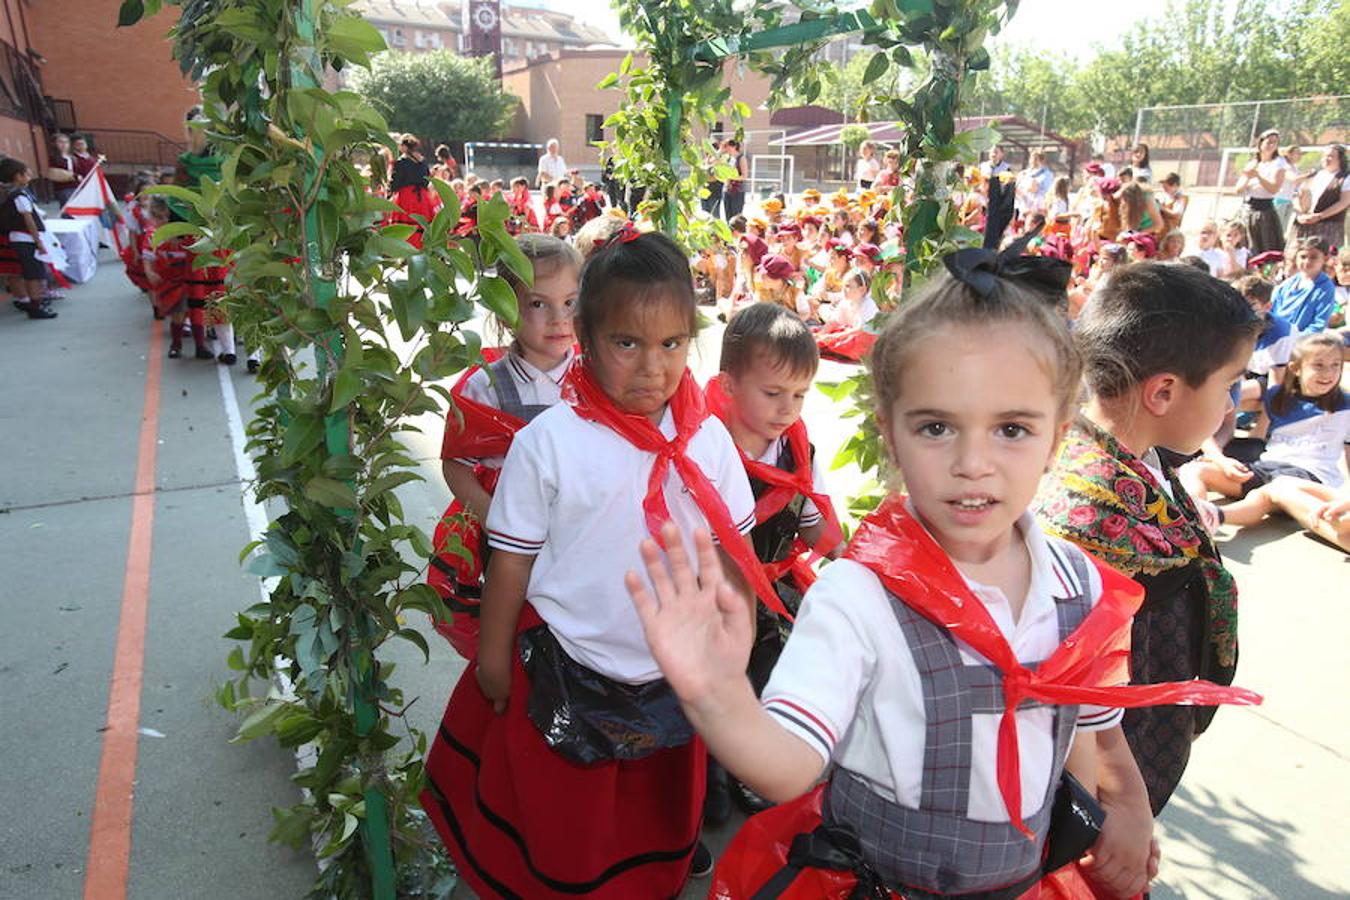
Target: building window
[
  {"x": 509, "y": 48},
  {"x": 418, "y": 40},
  {"x": 595, "y": 128},
  {"x": 399, "y": 40}
]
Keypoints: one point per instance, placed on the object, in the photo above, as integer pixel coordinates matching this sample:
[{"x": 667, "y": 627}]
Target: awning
[{"x": 1013, "y": 129}]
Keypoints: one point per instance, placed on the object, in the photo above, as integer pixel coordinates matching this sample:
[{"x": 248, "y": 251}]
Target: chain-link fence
[{"x": 1208, "y": 144}]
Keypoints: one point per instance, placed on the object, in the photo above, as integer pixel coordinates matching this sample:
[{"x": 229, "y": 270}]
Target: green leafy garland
[{"x": 356, "y": 326}]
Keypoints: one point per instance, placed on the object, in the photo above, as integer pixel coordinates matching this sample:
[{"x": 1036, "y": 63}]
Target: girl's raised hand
[{"x": 697, "y": 626}]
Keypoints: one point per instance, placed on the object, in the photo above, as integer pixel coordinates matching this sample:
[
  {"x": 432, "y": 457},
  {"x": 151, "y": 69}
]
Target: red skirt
[
  {"x": 9, "y": 260},
  {"x": 760, "y": 850},
  {"x": 134, "y": 265},
  {"x": 521, "y": 821},
  {"x": 848, "y": 344},
  {"x": 450, "y": 573},
  {"x": 414, "y": 201}
]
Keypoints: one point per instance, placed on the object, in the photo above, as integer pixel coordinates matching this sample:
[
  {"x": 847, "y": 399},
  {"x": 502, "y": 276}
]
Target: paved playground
[{"x": 96, "y": 479}]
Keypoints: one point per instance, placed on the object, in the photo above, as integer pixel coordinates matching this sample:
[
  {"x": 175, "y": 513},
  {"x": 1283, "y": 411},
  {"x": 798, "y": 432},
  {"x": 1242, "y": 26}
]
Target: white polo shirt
[
  {"x": 847, "y": 687},
  {"x": 810, "y": 514},
  {"x": 552, "y": 167},
  {"x": 571, "y": 496},
  {"x": 535, "y": 386}
]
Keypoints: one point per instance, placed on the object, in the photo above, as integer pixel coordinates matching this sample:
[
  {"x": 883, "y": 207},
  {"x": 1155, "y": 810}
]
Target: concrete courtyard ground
[{"x": 1260, "y": 815}]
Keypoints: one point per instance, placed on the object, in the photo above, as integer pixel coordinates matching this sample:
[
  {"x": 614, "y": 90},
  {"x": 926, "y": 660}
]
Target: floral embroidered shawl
[{"x": 1103, "y": 498}]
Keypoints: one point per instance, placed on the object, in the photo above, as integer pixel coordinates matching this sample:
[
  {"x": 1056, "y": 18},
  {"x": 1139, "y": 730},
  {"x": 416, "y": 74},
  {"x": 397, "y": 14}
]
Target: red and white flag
[{"x": 93, "y": 198}]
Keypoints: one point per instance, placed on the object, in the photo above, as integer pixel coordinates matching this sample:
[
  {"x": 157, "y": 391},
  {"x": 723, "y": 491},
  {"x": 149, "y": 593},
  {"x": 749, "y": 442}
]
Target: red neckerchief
[
  {"x": 783, "y": 486},
  {"x": 584, "y": 395},
  {"x": 474, "y": 429},
  {"x": 1085, "y": 668}
]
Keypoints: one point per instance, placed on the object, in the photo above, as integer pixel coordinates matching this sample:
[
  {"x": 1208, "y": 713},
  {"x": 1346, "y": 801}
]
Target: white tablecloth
[{"x": 79, "y": 239}]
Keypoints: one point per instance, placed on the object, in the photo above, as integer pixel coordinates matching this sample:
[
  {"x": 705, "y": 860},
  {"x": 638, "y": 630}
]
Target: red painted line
[{"x": 110, "y": 831}]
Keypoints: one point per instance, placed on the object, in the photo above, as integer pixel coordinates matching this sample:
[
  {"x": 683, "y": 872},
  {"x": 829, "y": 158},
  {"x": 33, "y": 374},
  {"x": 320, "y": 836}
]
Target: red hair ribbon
[{"x": 627, "y": 233}]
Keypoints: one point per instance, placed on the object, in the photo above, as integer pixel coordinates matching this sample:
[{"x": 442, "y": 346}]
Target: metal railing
[{"x": 134, "y": 147}]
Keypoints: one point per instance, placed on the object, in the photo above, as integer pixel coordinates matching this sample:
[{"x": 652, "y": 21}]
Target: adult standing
[
  {"x": 1260, "y": 181},
  {"x": 84, "y": 161},
  {"x": 867, "y": 167},
  {"x": 409, "y": 189},
  {"x": 552, "y": 166},
  {"x": 1325, "y": 197},
  {"x": 733, "y": 193},
  {"x": 61, "y": 168},
  {"x": 999, "y": 211}
]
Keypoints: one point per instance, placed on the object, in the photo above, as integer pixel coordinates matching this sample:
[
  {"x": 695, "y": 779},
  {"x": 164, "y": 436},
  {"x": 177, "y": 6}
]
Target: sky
[{"x": 1052, "y": 24}]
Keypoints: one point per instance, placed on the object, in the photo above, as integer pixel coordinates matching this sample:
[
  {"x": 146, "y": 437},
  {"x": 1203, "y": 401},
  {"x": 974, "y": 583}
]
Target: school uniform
[
  {"x": 908, "y": 717},
  {"x": 492, "y": 403},
  {"x": 1307, "y": 304},
  {"x": 1305, "y": 441},
  {"x": 519, "y": 817},
  {"x": 22, "y": 244},
  {"x": 1274, "y": 346}
]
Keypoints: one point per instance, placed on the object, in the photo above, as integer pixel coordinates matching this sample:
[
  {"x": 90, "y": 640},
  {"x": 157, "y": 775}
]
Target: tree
[
  {"x": 846, "y": 90},
  {"x": 437, "y": 95}
]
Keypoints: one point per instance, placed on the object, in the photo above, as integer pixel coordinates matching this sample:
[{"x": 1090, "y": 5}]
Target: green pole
[
  {"x": 670, "y": 144},
  {"x": 375, "y": 824}
]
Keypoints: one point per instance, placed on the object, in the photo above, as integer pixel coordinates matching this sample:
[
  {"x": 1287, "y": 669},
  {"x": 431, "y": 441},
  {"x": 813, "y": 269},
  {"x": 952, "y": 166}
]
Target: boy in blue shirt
[{"x": 1307, "y": 298}]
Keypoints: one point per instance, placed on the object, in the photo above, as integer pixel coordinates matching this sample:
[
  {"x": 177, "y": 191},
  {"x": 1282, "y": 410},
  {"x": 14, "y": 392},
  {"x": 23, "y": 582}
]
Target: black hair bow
[{"x": 981, "y": 270}]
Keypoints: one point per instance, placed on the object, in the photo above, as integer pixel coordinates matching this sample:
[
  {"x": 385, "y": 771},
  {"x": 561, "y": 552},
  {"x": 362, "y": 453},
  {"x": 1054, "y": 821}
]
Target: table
[{"x": 79, "y": 238}]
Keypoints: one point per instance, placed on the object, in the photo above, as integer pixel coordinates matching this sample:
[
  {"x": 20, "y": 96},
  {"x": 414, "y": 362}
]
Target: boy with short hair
[
  {"x": 1277, "y": 337},
  {"x": 769, "y": 359},
  {"x": 1162, "y": 347},
  {"x": 1308, "y": 297},
  {"x": 23, "y": 222}
]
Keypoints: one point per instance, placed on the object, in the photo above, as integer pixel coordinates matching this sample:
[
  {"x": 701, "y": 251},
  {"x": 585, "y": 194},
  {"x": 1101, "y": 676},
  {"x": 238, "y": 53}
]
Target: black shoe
[
  {"x": 40, "y": 311},
  {"x": 717, "y": 802},
  {"x": 228, "y": 359},
  {"x": 750, "y": 802},
  {"x": 175, "y": 352},
  {"x": 253, "y": 365},
  {"x": 702, "y": 864},
  {"x": 203, "y": 353}
]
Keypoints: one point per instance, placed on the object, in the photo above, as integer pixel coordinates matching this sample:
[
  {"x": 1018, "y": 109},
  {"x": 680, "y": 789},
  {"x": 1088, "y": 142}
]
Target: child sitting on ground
[
  {"x": 1308, "y": 438},
  {"x": 940, "y": 778},
  {"x": 1307, "y": 299}
]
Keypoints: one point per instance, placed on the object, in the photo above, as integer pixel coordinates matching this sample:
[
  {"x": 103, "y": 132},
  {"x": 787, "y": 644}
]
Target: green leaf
[
  {"x": 130, "y": 13},
  {"x": 260, "y": 722},
  {"x": 414, "y": 637},
  {"x": 330, "y": 492},
  {"x": 608, "y": 81},
  {"x": 303, "y": 435},
  {"x": 192, "y": 198},
  {"x": 497, "y": 296},
  {"x": 449, "y": 201},
  {"x": 877, "y": 67},
  {"x": 346, "y": 387},
  {"x": 509, "y": 252},
  {"x": 170, "y": 230},
  {"x": 352, "y": 35}
]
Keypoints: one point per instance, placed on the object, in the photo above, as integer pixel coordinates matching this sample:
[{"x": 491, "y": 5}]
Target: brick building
[
  {"x": 67, "y": 66},
  {"x": 528, "y": 33}
]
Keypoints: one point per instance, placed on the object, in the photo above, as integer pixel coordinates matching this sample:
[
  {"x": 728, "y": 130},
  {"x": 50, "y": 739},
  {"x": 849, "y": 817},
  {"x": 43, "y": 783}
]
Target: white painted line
[{"x": 256, "y": 518}]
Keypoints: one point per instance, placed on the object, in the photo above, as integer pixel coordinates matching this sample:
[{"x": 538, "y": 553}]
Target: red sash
[
  {"x": 584, "y": 395},
  {"x": 1085, "y": 668},
  {"x": 783, "y": 486}
]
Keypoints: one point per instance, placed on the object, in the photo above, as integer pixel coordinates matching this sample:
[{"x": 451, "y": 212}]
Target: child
[
  {"x": 923, "y": 796},
  {"x": 1171, "y": 247},
  {"x": 523, "y": 217},
  {"x": 1162, "y": 347},
  {"x": 1173, "y": 203},
  {"x": 768, "y": 362},
  {"x": 22, "y": 220},
  {"x": 531, "y": 797},
  {"x": 1307, "y": 299},
  {"x": 169, "y": 269},
  {"x": 845, "y": 335},
  {"x": 1234, "y": 248},
  {"x": 491, "y": 404},
  {"x": 1208, "y": 241},
  {"x": 1275, "y": 343},
  {"x": 776, "y": 281},
  {"x": 1309, "y": 435}
]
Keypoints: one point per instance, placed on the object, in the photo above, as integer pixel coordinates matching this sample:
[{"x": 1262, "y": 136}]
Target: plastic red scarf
[
  {"x": 584, "y": 395},
  {"x": 1083, "y": 669},
  {"x": 783, "y": 486},
  {"x": 475, "y": 430}
]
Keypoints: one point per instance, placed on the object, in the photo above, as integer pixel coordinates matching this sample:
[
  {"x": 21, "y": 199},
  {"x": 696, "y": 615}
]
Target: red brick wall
[{"x": 116, "y": 77}]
